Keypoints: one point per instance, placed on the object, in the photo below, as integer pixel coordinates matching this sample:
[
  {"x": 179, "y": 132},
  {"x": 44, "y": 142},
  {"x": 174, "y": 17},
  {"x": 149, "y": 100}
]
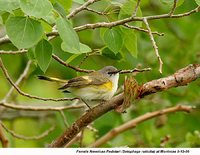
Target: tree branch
[
  {"x": 26, "y": 94},
  {"x": 82, "y": 7},
  {"x": 59, "y": 60},
  {"x": 44, "y": 134},
  {"x": 70, "y": 66},
  {"x": 134, "y": 122},
  {"x": 135, "y": 70},
  {"x": 142, "y": 30},
  {"x": 64, "y": 118},
  {"x": 20, "y": 79},
  {"x": 136, "y": 8},
  {"x": 13, "y": 52},
  {"x": 94, "y": 11},
  {"x": 173, "y": 8},
  {"x": 40, "y": 108},
  {"x": 154, "y": 44},
  {"x": 179, "y": 78},
  {"x": 131, "y": 19}
]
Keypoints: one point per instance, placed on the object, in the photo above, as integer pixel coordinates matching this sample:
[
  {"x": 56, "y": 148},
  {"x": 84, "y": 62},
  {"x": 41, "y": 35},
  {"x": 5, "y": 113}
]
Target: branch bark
[{"x": 179, "y": 78}]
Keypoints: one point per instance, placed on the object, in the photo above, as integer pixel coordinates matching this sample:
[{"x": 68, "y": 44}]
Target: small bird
[{"x": 98, "y": 85}]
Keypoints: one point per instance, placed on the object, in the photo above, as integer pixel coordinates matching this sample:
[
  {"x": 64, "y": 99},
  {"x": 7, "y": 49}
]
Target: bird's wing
[{"x": 82, "y": 81}]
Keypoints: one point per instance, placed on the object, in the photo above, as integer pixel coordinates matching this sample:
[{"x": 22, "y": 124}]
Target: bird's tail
[{"x": 41, "y": 77}]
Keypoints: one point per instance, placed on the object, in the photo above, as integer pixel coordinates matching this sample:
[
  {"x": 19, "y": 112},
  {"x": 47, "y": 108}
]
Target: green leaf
[
  {"x": 9, "y": 5},
  {"x": 65, "y": 4},
  {"x": 36, "y": 8},
  {"x": 59, "y": 8},
  {"x": 102, "y": 32},
  {"x": 113, "y": 40},
  {"x": 31, "y": 53},
  {"x": 50, "y": 18},
  {"x": 1, "y": 21},
  {"x": 43, "y": 53},
  {"x": 118, "y": 4},
  {"x": 130, "y": 41},
  {"x": 79, "y": 1},
  {"x": 198, "y": 2},
  {"x": 108, "y": 53},
  {"x": 72, "y": 57},
  {"x": 127, "y": 11},
  {"x": 171, "y": 2},
  {"x": 68, "y": 35},
  {"x": 83, "y": 48},
  {"x": 24, "y": 32}
]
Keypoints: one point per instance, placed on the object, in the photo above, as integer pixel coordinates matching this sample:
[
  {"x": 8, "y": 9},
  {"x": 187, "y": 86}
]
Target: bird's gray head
[{"x": 108, "y": 71}]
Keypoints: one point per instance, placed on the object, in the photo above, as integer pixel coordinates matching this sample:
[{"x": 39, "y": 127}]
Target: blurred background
[{"x": 178, "y": 48}]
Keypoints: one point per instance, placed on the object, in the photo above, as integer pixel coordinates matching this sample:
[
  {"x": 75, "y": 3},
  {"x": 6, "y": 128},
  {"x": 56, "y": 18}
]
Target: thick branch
[
  {"x": 134, "y": 122},
  {"x": 180, "y": 78}
]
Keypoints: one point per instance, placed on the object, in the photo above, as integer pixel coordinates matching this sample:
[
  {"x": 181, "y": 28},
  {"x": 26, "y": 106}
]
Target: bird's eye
[{"x": 110, "y": 74}]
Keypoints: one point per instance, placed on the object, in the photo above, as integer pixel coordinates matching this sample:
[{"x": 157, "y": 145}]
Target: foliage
[{"x": 44, "y": 28}]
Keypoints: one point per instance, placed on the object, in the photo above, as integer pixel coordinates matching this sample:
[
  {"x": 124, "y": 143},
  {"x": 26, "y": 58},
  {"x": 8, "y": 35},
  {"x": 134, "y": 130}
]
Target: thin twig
[
  {"x": 94, "y": 52},
  {"x": 13, "y": 52},
  {"x": 40, "y": 108},
  {"x": 74, "y": 140},
  {"x": 53, "y": 56},
  {"x": 70, "y": 66},
  {"x": 82, "y": 7},
  {"x": 3, "y": 138},
  {"x": 44, "y": 134},
  {"x": 81, "y": 138},
  {"x": 136, "y": 8},
  {"x": 20, "y": 79},
  {"x": 26, "y": 94},
  {"x": 154, "y": 45},
  {"x": 173, "y": 8},
  {"x": 64, "y": 118},
  {"x": 95, "y": 11},
  {"x": 11, "y": 114},
  {"x": 130, "y": 19},
  {"x": 131, "y": 71},
  {"x": 142, "y": 30},
  {"x": 133, "y": 123}
]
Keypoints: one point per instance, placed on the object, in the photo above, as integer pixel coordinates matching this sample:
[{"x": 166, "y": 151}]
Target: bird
[{"x": 98, "y": 85}]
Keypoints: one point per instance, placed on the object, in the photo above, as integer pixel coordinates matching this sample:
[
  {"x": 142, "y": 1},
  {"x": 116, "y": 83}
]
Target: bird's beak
[{"x": 115, "y": 72}]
